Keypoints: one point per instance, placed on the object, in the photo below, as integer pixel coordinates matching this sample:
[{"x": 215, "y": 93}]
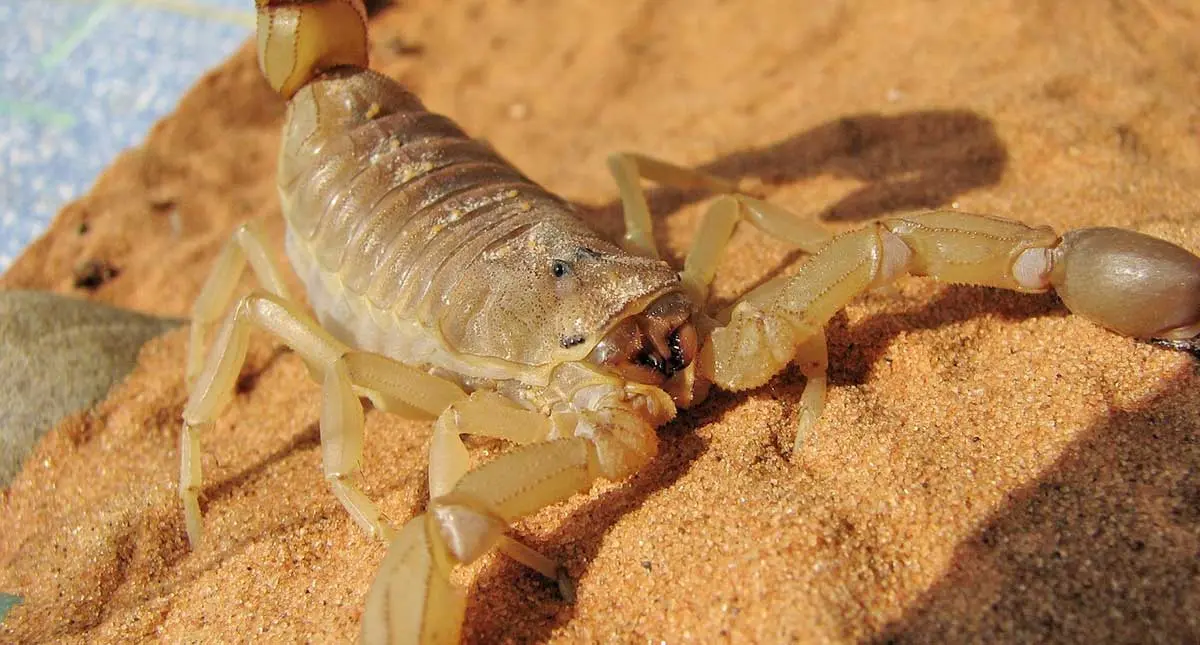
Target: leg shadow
[{"x": 916, "y": 160}]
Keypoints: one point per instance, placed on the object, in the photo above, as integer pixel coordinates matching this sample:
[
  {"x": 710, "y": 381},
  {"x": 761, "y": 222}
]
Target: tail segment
[{"x": 300, "y": 39}]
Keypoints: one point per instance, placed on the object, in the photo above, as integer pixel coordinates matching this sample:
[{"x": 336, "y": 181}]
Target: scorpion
[{"x": 450, "y": 287}]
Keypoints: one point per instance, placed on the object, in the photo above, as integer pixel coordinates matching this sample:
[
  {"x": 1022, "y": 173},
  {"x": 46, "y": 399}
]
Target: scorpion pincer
[{"x": 449, "y": 286}]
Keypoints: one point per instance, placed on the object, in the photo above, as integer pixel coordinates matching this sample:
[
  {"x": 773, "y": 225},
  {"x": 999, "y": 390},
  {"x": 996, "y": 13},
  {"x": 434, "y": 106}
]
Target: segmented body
[{"x": 420, "y": 243}]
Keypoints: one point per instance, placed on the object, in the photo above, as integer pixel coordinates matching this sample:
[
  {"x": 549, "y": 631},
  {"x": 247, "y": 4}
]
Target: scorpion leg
[
  {"x": 716, "y": 228},
  {"x": 813, "y": 358},
  {"x": 391, "y": 386},
  {"x": 346, "y": 375},
  {"x": 485, "y": 414},
  {"x": 628, "y": 168},
  {"x": 488, "y": 414},
  {"x": 341, "y": 450},
  {"x": 700, "y": 267},
  {"x": 412, "y": 600},
  {"x": 1131, "y": 283},
  {"x": 214, "y": 385},
  {"x": 712, "y": 237},
  {"x": 246, "y": 244},
  {"x": 399, "y": 389}
]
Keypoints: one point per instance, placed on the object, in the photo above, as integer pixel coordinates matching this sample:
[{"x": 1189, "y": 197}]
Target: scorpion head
[
  {"x": 656, "y": 346},
  {"x": 559, "y": 294}
]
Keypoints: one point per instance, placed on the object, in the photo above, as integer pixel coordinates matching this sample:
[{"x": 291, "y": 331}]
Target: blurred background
[{"x": 82, "y": 80}]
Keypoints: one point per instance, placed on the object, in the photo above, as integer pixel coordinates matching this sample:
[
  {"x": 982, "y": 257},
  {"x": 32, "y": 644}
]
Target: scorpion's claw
[
  {"x": 1131, "y": 283},
  {"x": 412, "y": 599}
]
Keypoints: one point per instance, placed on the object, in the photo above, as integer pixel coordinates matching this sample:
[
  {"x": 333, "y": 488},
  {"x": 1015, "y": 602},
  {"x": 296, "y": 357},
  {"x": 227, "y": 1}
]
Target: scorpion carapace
[{"x": 436, "y": 269}]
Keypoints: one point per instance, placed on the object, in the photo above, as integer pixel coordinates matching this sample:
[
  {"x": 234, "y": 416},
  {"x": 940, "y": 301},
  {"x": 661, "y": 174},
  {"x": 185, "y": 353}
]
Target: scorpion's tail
[
  {"x": 412, "y": 599},
  {"x": 300, "y": 39}
]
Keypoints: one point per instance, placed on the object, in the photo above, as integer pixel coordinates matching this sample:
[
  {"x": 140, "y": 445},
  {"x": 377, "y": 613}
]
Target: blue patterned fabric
[{"x": 82, "y": 80}]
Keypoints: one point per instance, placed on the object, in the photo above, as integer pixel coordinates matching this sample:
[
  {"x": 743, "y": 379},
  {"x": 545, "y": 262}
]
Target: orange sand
[{"x": 988, "y": 468}]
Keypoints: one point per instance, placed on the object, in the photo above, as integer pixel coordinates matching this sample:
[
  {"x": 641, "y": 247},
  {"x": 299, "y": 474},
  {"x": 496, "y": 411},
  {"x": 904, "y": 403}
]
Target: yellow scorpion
[{"x": 449, "y": 286}]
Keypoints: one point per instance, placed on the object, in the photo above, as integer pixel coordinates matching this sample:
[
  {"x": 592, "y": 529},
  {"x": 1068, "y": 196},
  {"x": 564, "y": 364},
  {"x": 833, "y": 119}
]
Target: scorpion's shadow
[
  {"x": 909, "y": 161},
  {"x": 1100, "y": 548}
]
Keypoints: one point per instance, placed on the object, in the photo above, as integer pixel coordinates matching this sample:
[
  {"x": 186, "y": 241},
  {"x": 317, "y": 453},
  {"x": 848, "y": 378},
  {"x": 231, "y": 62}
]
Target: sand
[{"x": 988, "y": 467}]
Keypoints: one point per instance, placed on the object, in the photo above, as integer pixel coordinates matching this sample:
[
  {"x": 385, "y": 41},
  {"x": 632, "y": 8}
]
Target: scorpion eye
[
  {"x": 560, "y": 268},
  {"x": 570, "y": 341}
]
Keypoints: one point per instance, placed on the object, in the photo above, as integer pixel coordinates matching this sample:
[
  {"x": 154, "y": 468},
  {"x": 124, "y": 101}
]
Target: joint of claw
[
  {"x": 1032, "y": 268},
  {"x": 467, "y": 532},
  {"x": 620, "y": 441},
  {"x": 894, "y": 258}
]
